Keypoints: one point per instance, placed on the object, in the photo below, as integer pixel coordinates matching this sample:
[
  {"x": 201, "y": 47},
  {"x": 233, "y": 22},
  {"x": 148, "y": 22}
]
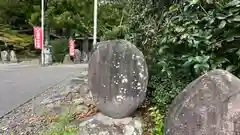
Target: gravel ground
[{"x": 28, "y": 118}]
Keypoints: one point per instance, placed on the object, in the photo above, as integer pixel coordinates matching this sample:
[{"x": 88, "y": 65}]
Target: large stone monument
[
  {"x": 210, "y": 105},
  {"x": 118, "y": 78}
]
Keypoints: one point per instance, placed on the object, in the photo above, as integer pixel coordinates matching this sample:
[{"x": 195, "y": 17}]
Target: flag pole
[
  {"x": 95, "y": 23},
  {"x": 42, "y": 25}
]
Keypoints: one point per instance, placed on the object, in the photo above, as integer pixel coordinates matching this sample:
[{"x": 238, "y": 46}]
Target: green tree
[{"x": 72, "y": 15}]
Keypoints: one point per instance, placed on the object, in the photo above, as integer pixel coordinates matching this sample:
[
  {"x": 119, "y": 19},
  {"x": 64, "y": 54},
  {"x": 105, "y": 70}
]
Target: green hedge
[
  {"x": 181, "y": 42},
  {"x": 185, "y": 40},
  {"x": 59, "y": 49}
]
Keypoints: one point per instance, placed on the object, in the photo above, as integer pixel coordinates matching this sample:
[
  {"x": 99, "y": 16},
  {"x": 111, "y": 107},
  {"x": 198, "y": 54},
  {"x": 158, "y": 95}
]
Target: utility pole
[
  {"x": 42, "y": 25},
  {"x": 95, "y": 24}
]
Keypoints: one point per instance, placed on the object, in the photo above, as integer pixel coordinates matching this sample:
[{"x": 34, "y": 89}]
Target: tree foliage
[
  {"x": 184, "y": 40},
  {"x": 66, "y": 16},
  {"x": 70, "y": 14},
  {"x": 12, "y": 37},
  {"x": 13, "y": 22}
]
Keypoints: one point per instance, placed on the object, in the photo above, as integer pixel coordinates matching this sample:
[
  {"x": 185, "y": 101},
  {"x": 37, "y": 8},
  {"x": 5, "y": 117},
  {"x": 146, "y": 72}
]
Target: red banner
[
  {"x": 38, "y": 37},
  {"x": 71, "y": 47}
]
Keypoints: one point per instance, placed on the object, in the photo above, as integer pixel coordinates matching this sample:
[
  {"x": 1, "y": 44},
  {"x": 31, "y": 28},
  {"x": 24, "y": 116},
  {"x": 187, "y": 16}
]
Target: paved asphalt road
[{"x": 20, "y": 83}]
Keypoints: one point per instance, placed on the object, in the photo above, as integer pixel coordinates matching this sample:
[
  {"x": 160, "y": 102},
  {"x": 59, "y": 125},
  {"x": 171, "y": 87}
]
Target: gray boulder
[
  {"x": 118, "y": 78},
  {"x": 207, "y": 106}
]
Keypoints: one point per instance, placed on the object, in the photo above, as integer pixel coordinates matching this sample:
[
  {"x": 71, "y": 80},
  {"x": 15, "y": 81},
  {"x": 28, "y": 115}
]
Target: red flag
[
  {"x": 38, "y": 37},
  {"x": 71, "y": 47}
]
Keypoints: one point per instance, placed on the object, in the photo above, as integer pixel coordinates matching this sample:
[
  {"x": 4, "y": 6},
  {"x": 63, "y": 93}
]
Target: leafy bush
[
  {"x": 59, "y": 49},
  {"x": 158, "y": 119},
  {"x": 117, "y": 32},
  {"x": 185, "y": 40},
  {"x": 181, "y": 41}
]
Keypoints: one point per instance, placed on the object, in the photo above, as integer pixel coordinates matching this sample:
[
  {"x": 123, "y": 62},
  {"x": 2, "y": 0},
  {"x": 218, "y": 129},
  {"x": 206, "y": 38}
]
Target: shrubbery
[
  {"x": 184, "y": 40},
  {"x": 59, "y": 49}
]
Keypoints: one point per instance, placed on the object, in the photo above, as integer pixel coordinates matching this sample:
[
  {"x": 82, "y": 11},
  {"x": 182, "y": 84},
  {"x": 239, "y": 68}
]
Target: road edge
[{"x": 39, "y": 94}]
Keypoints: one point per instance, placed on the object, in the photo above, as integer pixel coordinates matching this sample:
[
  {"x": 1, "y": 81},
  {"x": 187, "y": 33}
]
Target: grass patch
[{"x": 61, "y": 125}]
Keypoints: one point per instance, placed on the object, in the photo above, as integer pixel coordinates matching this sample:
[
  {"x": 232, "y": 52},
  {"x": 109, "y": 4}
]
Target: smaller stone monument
[
  {"x": 13, "y": 57},
  {"x": 4, "y": 56},
  {"x": 77, "y": 57},
  {"x": 48, "y": 56},
  {"x": 84, "y": 57}
]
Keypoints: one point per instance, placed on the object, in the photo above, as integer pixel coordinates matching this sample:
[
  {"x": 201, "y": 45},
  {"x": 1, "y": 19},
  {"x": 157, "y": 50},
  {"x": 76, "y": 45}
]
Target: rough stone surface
[
  {"x": 100, "y": 124},
  {"x": 77, "y": 57},
  {"x": 84, "y": 57},
  {"x": 13, "y": 57},
  {"x": 48, "y": 56},
  {"x": 4, "y": 56},
  {"x": 207, "y": 106},
  {"x": 86, "y": 49},
  {"x": 67, "y": 59},
  {"x": 118, "y": 78}
]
